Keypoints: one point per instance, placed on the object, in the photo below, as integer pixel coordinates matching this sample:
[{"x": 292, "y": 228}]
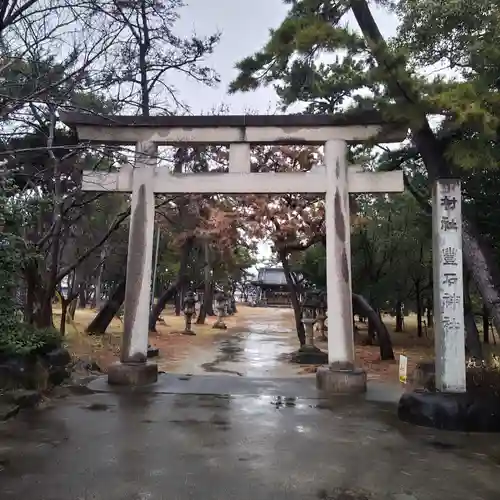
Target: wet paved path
[
  {"x": 263, "y": 435},
  {"x": 155, "y": 446},
  {"x": 255, "y": 348}
]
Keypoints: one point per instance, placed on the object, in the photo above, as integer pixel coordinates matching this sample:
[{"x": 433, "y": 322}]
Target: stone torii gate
[{"x": 334, "y": 179}]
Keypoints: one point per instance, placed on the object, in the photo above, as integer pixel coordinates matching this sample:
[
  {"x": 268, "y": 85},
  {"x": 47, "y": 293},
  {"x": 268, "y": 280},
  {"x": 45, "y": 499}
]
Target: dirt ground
[{"x": 176, "y": 349}]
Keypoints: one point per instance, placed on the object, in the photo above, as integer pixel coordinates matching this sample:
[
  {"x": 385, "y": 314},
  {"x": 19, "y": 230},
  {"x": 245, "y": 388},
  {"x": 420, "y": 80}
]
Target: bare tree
[{"x": 148, "y": 52}]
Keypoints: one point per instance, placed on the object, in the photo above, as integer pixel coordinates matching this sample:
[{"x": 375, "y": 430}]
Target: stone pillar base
[
  {"x": 220, "y": 326},
  {"x": 132, "y": 374},
  {"x": 341, "y": 379},
  {"x": 310, "y": 355},
  {"x": 153, "y": 352}
]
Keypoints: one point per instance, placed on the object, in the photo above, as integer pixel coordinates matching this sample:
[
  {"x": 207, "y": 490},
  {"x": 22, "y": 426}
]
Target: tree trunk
[
  {"x": 486, "y": 325},
  {"x": 82, "y": 296},
  {"x": 420, "y": 330},
  {"x": 43, "y": 317},
  {"x": 72, "y": 308},
  {"x": 210, "y": 302},
  {"x": 371, "y": 332},
  {"x": 472, "y": 341},
  {"x": 62, "y": 324},
  {"x": 64, "y": 312},
  {"x": 206, "y": 307},
  {"x": 399, "y": 316},
  {"x": 110, "y": 309},
  {"x": 76, "y": 293},
  {"x": 361, "y": 306},
  {"x": 178, "y": 301},
  {"x": 294, "y": 298},
  {"x": 418, "y": 305},
  {"x": 170, "y": 291},
  {"x": 202, "y": 313},
  {"x": 98, "y": 284},
  {"x": 160, "y": 305},
  {"x": 29, "y": 307},
  {"x": 429, "y": 314},
  {"x": 482, "y": 266},
  {"x": 207, "y": 282},
  {"x": 97, "y": 302},
  {"x": 477, "y": 255}
]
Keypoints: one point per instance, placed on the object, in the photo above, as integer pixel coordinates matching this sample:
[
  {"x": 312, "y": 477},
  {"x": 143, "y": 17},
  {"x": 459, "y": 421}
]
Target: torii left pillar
[{"x": 134, "y": 368}]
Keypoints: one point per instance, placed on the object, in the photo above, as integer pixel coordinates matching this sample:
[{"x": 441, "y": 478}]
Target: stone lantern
[
  {"x": 309, "y": 353},
  {"x": 310, "y": 305},
  {"x": 189, "y": 312},
  {"x": 321, "y": 317},
  {"x": 220, "y": 309}
]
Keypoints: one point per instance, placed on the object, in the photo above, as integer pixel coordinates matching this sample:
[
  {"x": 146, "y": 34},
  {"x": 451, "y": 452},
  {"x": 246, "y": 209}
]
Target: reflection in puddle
[
  {"x": 280, "y": 401},
  {"x": 301, "y": 429}
]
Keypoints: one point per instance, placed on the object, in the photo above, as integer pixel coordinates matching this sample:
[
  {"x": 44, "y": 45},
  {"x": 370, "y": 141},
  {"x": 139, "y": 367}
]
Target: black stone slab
[{"x": 465, "y": 412}]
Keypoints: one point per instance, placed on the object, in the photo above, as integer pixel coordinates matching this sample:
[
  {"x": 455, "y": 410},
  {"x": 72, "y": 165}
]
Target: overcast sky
[{"x": 244, "y": 25}]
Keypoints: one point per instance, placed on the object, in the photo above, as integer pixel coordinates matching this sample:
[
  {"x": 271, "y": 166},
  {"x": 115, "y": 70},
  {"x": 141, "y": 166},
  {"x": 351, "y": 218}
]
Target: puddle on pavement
[
  {"x": 259, "y": 346},
  {"x": 344, "y": 494},
  {"x": 220, "y": 422},
  {"x": 216, "y": 401},
  {"x": 243, "y": 402},
  {"x": 249, "y": 402},
  {"x": 229, "y": 351},
  {"x": 213, "y": 368},
  {"x": 216, "y": 421},
  {"x": 440, "y": 445},
  {"x": 322, "y": 405},
  {"x": 97, "y": 407},
  {"x": 253, "y": 351}
]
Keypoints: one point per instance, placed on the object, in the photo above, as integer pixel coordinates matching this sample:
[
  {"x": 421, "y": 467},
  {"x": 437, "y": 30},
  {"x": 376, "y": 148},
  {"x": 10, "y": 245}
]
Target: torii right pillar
[{"x": 340, "y": 376}]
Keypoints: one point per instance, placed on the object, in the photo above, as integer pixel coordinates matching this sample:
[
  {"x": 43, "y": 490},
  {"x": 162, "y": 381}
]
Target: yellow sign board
[{"x": 403, "y": 368}]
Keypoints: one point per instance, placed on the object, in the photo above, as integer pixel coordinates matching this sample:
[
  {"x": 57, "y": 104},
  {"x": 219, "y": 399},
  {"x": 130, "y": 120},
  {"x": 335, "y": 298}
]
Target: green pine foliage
[
  {"x": 445, "y": 52},
  {"x": 16, "y": 337}
]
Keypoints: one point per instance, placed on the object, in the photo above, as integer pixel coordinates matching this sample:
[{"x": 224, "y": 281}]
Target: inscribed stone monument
[{"x": 449, "y": 329}]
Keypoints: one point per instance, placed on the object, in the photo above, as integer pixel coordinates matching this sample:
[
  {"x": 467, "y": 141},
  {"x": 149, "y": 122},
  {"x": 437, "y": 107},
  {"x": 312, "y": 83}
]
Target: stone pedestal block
[
  {"x": 464, "y": 412},
  {"x": 132, "y": 374},
  {"x": 341, "y": 379}
]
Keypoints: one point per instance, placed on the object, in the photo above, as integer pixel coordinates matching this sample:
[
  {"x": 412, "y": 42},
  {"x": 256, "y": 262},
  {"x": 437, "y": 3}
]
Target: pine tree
[{"x": 364, "y": 70}]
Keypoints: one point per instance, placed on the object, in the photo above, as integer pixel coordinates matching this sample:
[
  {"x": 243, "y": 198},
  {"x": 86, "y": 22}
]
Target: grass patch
[{"x": 105, "y": 349}]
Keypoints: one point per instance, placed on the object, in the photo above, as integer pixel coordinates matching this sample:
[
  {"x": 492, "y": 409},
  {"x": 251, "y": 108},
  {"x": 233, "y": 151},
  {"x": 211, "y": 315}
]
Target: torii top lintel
[{"x": 353, "y": 127}]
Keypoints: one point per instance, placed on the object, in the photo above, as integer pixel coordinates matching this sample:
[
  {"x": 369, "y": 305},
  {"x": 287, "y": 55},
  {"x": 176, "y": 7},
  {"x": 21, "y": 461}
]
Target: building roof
[{"x": 271, "y": 276}]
